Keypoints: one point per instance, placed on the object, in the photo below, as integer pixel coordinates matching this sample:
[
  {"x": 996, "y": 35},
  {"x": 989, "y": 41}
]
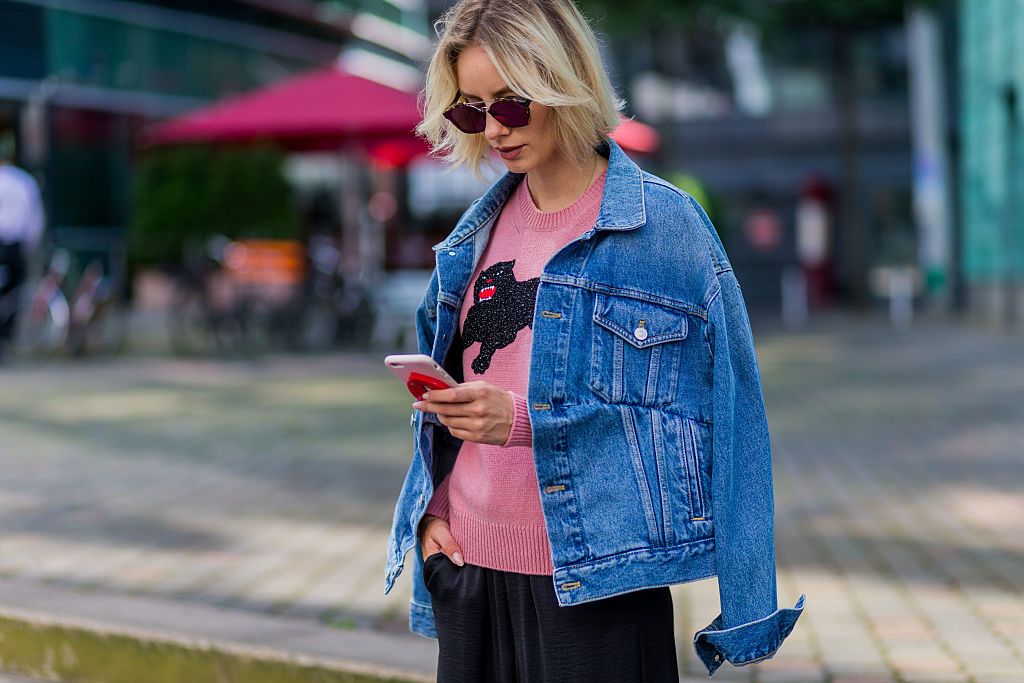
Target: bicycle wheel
[
  {"x": 40, "y": 327},
  {"x": 106, "y": 331},
  {"x": 315, "y": 326},
  {"x": 189, "y": 324},
  {"x": 357, "y": 320}
]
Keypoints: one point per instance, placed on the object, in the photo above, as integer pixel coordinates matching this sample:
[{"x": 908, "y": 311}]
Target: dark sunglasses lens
[
  {"x": 466, "y": 118},
  {"x": 511, "y": 113}
]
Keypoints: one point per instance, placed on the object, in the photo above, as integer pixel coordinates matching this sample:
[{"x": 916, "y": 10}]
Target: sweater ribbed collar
[{"x": 584, "y": 208}]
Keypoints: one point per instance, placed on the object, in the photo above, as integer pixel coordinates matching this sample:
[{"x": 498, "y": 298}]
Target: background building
[
  {"x": 763, "y": 120},
  {"x": 992, "y": 176},
  {"x": 80, "y": 79}
]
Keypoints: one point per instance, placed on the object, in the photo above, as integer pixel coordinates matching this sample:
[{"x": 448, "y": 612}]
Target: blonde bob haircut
[{"x": 544, "y": 50}]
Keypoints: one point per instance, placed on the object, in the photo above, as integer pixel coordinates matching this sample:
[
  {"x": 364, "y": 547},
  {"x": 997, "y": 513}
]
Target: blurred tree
[
  {"x": 841, "y": 19},
  {"x": 189, "y": 193}
]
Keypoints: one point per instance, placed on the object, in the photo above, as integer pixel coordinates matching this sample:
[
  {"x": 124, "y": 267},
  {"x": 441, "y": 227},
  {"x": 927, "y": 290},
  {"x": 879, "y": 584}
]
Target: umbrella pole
[{"x": 351, "y": 210}]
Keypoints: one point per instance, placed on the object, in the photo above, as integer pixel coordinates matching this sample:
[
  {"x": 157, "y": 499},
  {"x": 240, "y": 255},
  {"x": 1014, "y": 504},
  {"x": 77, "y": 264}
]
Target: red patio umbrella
[
  {"x": 322, "y": 109},
  {"x": 634, "y": 136},
  {"x": 329, "y": 108}
]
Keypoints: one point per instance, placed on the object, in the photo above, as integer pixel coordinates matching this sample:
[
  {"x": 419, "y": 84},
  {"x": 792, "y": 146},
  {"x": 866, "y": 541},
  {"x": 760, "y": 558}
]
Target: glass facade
[
  {"x": 992, "y": 129},
  {"x": 757, "y": 119},
  {"x": 22, "y": 53},
  {"x": 79, "y": 81},
  {"x": 109, "y": 53}
]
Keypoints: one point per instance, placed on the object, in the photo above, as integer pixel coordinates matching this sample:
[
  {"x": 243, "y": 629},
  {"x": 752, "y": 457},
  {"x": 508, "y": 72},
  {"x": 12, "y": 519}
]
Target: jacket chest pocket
[{"x": 636, "y": 351}]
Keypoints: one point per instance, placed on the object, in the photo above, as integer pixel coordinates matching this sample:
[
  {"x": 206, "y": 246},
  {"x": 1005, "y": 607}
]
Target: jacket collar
[{"x": 622, "y": 203}]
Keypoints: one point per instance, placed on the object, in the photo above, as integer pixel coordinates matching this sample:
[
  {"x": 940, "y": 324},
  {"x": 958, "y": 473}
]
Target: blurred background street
[
  {"x": 268, "y": 488},
  {"x": 215, "y": 221}
]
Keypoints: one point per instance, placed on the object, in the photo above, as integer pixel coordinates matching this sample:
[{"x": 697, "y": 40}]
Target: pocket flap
[{"x": 639, "y": 322}]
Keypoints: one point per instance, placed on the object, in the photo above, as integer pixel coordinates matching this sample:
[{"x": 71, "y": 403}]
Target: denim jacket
[{"x": 650, "y": 437}]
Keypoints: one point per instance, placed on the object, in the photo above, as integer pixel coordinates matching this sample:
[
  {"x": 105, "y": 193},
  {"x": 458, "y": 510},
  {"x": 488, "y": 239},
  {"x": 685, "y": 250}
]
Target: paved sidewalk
[{"x": 266, "y": 488}]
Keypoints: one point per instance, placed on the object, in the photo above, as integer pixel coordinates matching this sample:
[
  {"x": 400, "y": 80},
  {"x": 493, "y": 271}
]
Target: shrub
[{"x": 184, "y": 194}]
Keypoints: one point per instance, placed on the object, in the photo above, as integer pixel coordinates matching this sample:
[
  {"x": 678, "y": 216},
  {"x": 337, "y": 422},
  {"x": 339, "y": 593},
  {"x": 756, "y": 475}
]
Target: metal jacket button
[{"x": 640, "y": 333}]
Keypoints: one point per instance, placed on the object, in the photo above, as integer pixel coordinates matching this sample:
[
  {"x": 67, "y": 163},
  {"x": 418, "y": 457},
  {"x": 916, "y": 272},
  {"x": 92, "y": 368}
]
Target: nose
[{"x": 494, "y": 129}]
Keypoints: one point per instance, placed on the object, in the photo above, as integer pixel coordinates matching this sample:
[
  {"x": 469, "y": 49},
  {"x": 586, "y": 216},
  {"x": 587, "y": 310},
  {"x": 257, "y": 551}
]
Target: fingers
[
  {"x": 442, "y": 535},
  {"x": 429, "y": 547},
  {"x": 463, "y": 393},
  {"x": 465, "y": 400},
  {"x": 476, "y": 411},
  {"x": 427, "y": 543},
  {"x": 473, "y": 425},
  {"x": 453, "y": 395},
  {"x": 449, "y": 409}
]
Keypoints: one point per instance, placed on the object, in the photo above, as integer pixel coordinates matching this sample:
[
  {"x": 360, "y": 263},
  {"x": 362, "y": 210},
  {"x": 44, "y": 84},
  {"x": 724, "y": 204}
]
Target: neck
[{"x": 558, "y": 183}]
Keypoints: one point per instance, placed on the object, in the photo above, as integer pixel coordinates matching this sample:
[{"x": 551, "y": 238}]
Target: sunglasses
[{"x": 511, "y": 111}]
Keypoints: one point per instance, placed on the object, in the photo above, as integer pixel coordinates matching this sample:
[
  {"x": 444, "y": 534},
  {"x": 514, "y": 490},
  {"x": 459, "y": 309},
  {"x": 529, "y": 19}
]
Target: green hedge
[{"x": 185, "y": 194}]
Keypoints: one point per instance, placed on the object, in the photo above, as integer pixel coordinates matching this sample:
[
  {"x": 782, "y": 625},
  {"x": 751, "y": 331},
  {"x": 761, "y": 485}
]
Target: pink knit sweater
[{"x": 491, "y": 498}]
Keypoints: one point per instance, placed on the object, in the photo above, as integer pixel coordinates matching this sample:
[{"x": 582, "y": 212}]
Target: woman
[{"x": 607, "y": 438}]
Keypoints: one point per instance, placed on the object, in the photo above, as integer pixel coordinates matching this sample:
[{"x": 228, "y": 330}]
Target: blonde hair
[{"x": 544, "y": 50}]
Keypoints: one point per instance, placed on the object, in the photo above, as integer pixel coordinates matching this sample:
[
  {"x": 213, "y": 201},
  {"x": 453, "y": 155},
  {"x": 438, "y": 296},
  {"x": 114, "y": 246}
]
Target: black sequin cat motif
[{"x": 502, "y": 305}]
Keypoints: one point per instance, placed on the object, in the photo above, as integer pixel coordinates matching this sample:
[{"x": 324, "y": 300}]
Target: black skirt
[{"x": 494, "y": 625}]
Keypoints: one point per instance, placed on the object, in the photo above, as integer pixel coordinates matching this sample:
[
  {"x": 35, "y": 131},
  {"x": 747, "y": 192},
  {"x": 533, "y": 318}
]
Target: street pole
[
  {"x": 1011, "y": 215},
  {"x": 931, "y": 190}
]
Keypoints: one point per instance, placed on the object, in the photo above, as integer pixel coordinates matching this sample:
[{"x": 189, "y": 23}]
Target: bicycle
[
  {"x": 202, "y": 318},
  {"x": 328, "y": 310},
  {"x": 98, "y": 323},
  {"x": 38, "y": 314},
  {"x": 254, "y": 295}
]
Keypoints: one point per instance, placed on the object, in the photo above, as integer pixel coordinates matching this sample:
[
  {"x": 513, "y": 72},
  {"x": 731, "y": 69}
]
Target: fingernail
[
  {"x": 426, "y": 396},
  {"x": 457, "y": 557}
]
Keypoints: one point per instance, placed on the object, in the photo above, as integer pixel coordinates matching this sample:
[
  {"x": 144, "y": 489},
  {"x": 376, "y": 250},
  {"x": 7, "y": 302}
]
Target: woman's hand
[
  {"x": 436, "y": 536},
  {"x": 473, "y": 411}
]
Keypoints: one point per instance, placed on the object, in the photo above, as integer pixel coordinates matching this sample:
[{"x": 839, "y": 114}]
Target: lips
[{"x": 509, "y": 153}]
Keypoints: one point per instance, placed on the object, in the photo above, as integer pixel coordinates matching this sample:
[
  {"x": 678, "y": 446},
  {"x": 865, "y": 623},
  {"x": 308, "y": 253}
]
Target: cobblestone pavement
[{"x": 269, "y": 486}]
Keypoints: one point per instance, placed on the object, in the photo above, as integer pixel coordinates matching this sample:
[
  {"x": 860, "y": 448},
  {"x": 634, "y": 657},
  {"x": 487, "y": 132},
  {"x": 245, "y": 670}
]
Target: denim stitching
[
  {"x": 659, "y": 463},
  {"x": 697, "y": 472},
  {"x": 641, "y": 476}
]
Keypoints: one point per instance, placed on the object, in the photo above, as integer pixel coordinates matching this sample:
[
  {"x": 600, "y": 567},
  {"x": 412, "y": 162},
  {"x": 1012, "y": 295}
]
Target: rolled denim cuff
[
  {"x": 746, "y": 643},
  {"x": 421, "y": 619},
  {"x": 521, "y": 433}
]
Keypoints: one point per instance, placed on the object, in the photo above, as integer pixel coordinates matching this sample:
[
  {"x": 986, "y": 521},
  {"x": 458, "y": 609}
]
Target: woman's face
[{"x": 480, "y": 80}]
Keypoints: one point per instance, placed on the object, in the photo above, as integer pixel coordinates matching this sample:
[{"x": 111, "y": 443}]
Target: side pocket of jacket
[{"x": 750, "y": 626}]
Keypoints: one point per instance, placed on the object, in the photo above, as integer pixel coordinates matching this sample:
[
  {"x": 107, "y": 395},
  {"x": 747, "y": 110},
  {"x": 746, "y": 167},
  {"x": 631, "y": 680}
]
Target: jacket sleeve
[
  {"x": 426, "y": 330},
  {"x": 426, "y": 316},
  {"x": 750, "y": 627}
]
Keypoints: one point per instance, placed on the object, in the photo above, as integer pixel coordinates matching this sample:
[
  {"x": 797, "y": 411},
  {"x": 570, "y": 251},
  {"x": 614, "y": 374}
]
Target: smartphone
[{"x": 419, "y": 372}]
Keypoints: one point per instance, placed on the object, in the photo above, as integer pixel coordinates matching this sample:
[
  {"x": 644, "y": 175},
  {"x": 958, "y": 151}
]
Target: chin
[{"x": 517, "y": 165}]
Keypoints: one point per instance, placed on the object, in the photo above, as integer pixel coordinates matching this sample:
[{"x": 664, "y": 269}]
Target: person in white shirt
[{"x": 21, "y": 227}]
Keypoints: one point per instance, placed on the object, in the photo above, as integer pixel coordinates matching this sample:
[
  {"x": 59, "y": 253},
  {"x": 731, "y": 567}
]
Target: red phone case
[{"x": 418, "y": 383}]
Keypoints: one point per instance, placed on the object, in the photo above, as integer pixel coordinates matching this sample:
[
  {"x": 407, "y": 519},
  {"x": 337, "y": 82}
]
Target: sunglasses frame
[{"x": 486, "y": 109}]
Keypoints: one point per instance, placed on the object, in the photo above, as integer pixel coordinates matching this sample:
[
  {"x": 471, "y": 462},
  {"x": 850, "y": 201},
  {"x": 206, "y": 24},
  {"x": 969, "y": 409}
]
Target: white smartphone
[{"x": 419, "y": 372}]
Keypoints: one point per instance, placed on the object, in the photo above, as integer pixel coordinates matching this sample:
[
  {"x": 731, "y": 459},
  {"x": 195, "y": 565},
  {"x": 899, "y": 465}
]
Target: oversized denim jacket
[{"x": 649, "y": 431}]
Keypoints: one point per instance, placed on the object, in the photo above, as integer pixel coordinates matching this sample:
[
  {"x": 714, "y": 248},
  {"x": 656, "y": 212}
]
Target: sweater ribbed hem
[
  {"x": 570, "y": 217},
  {"x": 521, "y": 549},
  {"x": 521, "y": 433}
]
